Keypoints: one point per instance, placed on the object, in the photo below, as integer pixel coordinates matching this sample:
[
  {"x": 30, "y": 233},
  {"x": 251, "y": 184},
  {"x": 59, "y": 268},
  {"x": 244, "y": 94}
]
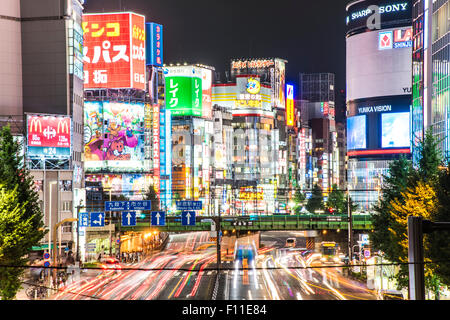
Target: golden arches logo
[
  {"x": 63, "y": 126},
  {"x": 36, "y": 122}
]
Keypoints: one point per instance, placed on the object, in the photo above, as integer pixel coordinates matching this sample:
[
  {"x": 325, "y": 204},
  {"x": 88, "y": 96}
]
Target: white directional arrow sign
[
  {"x": 97, "y": 219},
  {"x": 128, "y": 218},
  {"x": 158, "y": 218},
  {"x": 188, "y": 218}
]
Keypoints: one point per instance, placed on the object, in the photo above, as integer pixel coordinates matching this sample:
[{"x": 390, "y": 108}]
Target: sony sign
[{"x": 381, "y": 9}]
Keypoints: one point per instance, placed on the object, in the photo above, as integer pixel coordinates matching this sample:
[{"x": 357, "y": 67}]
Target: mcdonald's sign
[{"x": 49, "y": 135}]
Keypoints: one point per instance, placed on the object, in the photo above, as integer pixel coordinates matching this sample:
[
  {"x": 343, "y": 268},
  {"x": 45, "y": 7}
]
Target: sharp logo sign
[{"x": 396, "y": 39}]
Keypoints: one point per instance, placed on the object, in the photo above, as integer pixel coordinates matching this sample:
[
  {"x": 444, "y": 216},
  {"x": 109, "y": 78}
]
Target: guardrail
[{"x": 261, "y": 223}]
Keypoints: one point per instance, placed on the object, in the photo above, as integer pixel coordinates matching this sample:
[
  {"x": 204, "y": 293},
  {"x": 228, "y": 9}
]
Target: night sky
[{"x": 310, "y": 34}]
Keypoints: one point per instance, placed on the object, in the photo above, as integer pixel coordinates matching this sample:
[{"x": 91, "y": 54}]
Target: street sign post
[
  {"x": 97, "y": 219},
  {"x": 84, "y": 219},
  {"x": 189, "y": 205},
  {"x": 128, "y": 218},
  {"x": 158, "y": 218},
  {"x": 188, "y": 218},
  {"x": 128, "y": 205}
]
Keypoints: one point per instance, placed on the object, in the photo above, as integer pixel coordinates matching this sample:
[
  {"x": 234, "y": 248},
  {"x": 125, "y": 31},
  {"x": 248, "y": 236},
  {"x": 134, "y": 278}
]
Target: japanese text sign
[{"x": 114, "y": 51}]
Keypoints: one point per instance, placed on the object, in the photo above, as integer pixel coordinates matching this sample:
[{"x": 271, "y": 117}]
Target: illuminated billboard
[
  {"x": 395, "y": 130},
  {"x": 114, "y": 136},
  {"x": 134, "y": 185},
  {"x": 368, "y": 73},
  {"x": 280, "y": 84},
  {"x": 49, "y": 136},
  {"x": 184, "y": 91},
  {"x": 290, "y": 117},
  {"x": 361, "y": 16},
  {"x": 154, "y": 34},
  {"x": 206, "y": 93},
  {"x": 114, "y": 51},
  {"x": 356, "y": 133}
]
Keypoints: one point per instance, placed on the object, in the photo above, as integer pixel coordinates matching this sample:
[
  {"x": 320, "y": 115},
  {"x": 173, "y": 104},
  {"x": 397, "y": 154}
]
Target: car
[
  {"x": 111, "y": 263},
  {"x": 291, "y": 242},
  {"x": 390, "y": 295}
]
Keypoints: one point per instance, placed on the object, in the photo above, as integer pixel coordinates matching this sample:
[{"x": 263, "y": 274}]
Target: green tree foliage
[
  {"x": 337, "y": 200},
  {"x": 153, "y": 197},
  {"x": 15, "y": 228},
  {"x": 440, "y": 244},
  {"x": 299, "y": 199},
  {"x": 316, "y": 201},
  {"x": 406, "y": 191},
  {"x": 22, "y": 220}
]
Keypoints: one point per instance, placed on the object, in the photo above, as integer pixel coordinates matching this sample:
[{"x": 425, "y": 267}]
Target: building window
[
  {"x": 65, "y": 185},
  {"x": 66, "y": 206}
]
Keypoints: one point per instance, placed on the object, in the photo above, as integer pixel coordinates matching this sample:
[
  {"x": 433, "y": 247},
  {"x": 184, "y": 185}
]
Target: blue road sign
[
  {"x": 128, "y": 218},
  {"x": 47, "y": 264},
  {"x": 189, "y": 205},
  {"x": 128, "y": 205},
  {"x": 97, "y": 219},
  {"x": 84, "y": 219},
  {"x": 188, "y": 218},
  {"x": 158, "y": 218},
  {"x": 46, "y": 256}
]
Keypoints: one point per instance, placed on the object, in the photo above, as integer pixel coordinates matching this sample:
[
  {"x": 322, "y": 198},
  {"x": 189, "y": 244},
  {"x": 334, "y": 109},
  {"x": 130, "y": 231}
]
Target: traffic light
[{"x": 331, "y": 210}]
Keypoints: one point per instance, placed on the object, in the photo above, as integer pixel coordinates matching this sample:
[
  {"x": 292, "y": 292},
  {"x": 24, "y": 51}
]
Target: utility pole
[{"x": 416, "y": 228}]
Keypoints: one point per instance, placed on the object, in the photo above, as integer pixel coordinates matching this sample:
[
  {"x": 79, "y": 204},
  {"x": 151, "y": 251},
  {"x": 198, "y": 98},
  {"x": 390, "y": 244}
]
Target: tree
[
  {"x": 15, "y": 228},
  {"x": 151, "y": 195},
  {"x": 14, "y": 173},
  {"x": 299, "y": 199},
  {"x": 316, "y": 201},
  {"x": 20, "y": 205},
  {"x": 337, "y": 200},
  {"x": 407, "y": 191},
  {"x": 419, "y": 201},
  {"x": 439, "y": 244}
]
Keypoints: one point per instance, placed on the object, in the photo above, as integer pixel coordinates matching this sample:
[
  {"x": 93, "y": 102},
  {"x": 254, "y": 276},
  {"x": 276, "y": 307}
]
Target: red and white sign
[
  {"x": 49, "y": 131},
  {"x": 385, "y": 40},
  {"x": 114, "y": 51}
]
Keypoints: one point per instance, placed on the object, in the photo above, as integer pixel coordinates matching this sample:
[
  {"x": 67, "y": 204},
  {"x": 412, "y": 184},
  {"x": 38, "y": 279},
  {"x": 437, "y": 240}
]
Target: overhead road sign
[
  {"x": 128, "y": 205},
  {"x": 189, "y": 205}
]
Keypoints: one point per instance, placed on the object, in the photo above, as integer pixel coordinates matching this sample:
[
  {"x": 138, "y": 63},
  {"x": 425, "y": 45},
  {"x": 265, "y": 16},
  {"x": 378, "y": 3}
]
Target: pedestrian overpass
[{"x": 257, "y": 223}]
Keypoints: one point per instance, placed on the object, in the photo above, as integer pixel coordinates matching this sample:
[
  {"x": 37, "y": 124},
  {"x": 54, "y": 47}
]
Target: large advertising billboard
[
  {"x": 184, "y": 91},
  {"x": 49, "y": 136},
  {"x": 377, "y": 66},
  {"x": 114, "y": 50},
  {"x": 379, "y": 126},
  {"x": 114, "y": 136}
]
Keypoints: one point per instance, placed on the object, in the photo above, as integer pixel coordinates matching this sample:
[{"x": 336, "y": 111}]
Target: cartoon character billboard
[{"x": 114, "y": 132}]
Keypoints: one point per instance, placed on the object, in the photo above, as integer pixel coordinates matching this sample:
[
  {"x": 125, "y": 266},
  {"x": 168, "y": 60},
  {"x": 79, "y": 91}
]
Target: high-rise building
[
  {"x": 378, "y": 93},
  {"x": 188, "y": 90},
  {"x": 317, "y": 93},
  {"x": 431, "y": 72},
  {"x": 42, "y": 98},
  {"x": 255, "y": 94}
]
